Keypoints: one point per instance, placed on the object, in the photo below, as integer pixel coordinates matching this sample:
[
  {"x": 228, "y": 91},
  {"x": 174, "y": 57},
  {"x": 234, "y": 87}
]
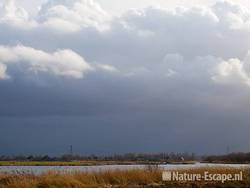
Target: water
[{"x": 43, "y": 169}]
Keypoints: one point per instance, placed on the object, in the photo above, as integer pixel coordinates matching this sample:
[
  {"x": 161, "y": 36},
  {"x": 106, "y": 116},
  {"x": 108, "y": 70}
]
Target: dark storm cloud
[{"x": 150, "y": 80}]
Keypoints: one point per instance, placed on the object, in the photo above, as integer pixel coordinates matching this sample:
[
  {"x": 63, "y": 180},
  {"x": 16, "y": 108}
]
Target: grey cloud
[{"x": 161, "y": 79}]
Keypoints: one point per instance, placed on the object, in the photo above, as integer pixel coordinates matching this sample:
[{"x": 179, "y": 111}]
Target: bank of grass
[{"x": 137, "y": 178}]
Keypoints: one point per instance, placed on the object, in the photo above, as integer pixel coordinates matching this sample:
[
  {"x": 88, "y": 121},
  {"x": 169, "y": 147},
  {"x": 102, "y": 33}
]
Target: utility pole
[
  {"x": 228, "y": 150},
  {"x": 71, "y": 150}
]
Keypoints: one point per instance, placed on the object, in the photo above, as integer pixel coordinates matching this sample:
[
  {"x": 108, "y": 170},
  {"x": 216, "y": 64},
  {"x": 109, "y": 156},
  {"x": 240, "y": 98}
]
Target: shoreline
[{"x": 88, "y": 163}]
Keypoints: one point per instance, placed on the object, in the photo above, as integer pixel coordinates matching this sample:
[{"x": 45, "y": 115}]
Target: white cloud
[
  {"x": 60, "y": 15},
  {"x": 107, "y": 68},
  {"x": 15, "y": 16},
  {"x": 204, "y": 40},
  {"x": 64, "y": 63},
  {"x": 231, "y": 72},
  {"x": 208, "y": 68},
  {"x": 74, "y": 14},
  {"x": 9, "y": 11},
  {"x": 232, "y": 15},
  {"x": 3, "y": 74}
]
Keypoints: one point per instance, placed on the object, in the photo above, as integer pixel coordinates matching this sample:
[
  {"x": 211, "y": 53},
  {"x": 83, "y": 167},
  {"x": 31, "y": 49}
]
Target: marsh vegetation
[{"x": 148, "y": 177}]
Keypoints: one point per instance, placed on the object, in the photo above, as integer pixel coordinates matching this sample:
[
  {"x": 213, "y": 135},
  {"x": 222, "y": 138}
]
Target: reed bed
[{"x": 137, "y": 178}]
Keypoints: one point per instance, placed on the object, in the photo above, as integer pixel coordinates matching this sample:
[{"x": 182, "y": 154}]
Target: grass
[
  {"x": 137, "y": 178},
  {"x": 79, "y": 180}
]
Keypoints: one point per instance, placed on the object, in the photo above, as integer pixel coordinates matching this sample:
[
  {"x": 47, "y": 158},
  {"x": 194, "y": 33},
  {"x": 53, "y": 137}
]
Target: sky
[
  {"x": 116, "y": 77},
  {"x": 116, "y": 7}
]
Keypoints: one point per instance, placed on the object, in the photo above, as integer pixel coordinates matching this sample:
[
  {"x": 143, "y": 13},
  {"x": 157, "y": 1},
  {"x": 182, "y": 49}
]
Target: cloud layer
[
  {"x": 178, "y": 71},
  {"x": 29, "y": 60}
]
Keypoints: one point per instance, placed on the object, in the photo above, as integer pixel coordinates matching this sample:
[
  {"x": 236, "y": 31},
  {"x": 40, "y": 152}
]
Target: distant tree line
[
  {"x": 159, "y": 157},
  {"x": 228, "y": 158}
]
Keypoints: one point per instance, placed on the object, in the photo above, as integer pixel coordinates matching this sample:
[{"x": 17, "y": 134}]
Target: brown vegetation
[{"x": 150, "y": 177}]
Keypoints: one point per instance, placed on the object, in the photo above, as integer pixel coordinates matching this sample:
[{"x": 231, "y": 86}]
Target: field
[{"x": 151, "y": 177}]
